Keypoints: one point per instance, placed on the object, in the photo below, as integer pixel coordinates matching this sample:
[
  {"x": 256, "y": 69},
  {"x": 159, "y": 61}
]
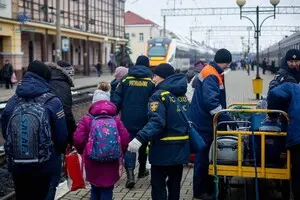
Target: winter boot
[
  {"x": 143, "y": 172},
  {"x": 130, "y": 178}
]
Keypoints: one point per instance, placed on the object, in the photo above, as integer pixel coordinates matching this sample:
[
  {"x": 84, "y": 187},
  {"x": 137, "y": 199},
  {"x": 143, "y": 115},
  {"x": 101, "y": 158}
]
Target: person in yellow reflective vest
[{"x": 167, "y": 130}]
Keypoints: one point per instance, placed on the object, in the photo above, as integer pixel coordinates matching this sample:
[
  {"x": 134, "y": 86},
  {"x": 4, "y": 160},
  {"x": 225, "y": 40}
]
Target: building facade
[
  {"x": 90, "y": 31},
  {"x": 138, "y": 31}
]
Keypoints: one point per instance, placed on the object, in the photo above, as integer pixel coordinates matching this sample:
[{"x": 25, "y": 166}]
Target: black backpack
[{"x": 29, "y": 138}]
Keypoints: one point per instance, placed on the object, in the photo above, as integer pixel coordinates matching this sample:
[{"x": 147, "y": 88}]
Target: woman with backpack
[{"x": 102, "y": 139}]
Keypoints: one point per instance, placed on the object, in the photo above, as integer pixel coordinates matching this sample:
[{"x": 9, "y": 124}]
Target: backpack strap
[{"x": 44, "y": 98}]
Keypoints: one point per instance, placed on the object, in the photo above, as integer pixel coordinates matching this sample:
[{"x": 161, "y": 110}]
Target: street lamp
[{"x": 257, "y": 82}]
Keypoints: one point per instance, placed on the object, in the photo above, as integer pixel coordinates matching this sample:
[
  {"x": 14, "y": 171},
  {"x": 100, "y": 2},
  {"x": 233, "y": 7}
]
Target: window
[
  {"x": 141, "y": 37},
  {"x": 3, "y": 3},
  {"x": 157, "y": 51},
  {"x": 127, "y": 36}
]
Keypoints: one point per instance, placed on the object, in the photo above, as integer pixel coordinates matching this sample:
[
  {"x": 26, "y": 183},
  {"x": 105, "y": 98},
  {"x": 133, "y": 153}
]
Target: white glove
[{"x": 134, "y": 146}]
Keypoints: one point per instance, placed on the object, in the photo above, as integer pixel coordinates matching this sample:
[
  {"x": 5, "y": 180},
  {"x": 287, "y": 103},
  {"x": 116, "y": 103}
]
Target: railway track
[{"x": 80, "y": 96}]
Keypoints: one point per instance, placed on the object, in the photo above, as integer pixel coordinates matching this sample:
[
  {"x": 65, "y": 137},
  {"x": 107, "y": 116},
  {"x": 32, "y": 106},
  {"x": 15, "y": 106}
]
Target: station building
[{"x": 90, "y": 30}]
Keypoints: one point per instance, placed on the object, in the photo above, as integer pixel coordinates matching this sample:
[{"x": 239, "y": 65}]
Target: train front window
[{"x": 157, "y": 51}]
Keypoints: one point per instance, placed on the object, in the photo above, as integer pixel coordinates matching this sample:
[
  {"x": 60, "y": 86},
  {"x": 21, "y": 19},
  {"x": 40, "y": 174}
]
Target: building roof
[{"x": 132, "y": 18}]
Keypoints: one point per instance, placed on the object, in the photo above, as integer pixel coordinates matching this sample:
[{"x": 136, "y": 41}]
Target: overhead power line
[{"x": 227, "y": 11}]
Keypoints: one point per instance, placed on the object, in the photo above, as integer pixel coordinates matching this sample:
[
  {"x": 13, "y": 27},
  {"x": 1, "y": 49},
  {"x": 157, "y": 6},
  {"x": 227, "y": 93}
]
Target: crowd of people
[{"x": 140, "y": 108}]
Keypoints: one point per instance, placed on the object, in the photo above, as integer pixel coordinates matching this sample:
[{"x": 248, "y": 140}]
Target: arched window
[
  {"x": 30, "y": 48},
  {"x": 53, "y": 52},
  {"x": 71, "y": 52}
]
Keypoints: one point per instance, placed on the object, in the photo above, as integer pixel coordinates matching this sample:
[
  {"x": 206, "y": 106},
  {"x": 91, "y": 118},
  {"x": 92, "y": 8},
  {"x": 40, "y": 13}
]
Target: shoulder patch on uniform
[
  {"x": 154, "y": 106},
  {"x": 60, "y": 114}
]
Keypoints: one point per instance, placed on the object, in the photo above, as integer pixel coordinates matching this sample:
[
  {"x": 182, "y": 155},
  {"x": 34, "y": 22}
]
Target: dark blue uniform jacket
[
  {"x": 131, "y": 97},
  {"x": 33, "y": 86},
  {"x": 208, "y": 99},
  {"x": 113, "y": 85},
  {"x": 167, "y": 129},
  {"x": 285, "y": 74},
  {"x": 278, "y": 98}
]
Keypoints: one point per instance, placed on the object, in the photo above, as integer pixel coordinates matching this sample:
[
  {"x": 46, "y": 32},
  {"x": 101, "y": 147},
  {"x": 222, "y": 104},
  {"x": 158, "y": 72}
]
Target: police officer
[
  {"x": 208, "y": 99},
  {"x": 167, "y": 131},
  {"x": 289, "y": 70},
  {"x": 131, "y": 98}
]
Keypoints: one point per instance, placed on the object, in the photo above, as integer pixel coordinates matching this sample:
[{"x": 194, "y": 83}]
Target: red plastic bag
[
  {"x": 192, "y": 158},
  {"x": 75, "y": 170}
]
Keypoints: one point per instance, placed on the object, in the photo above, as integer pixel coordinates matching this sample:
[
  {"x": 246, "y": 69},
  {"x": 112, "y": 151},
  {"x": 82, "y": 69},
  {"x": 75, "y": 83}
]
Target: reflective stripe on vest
[
  {"x": 132, "y": 77},
  {"x": 210, "y": 70},
  {"x": 163, "y": 94},
  {"x": 175, "y": 138}
]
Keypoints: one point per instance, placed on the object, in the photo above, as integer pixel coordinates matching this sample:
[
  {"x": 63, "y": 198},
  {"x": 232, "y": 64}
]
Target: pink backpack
[{"x": 104, "y": 144}]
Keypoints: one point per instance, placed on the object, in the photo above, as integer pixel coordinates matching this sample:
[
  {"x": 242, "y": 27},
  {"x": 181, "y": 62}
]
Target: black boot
[
  {"x": 143, "y": 172},
  {"x": 130, "y": 178}
]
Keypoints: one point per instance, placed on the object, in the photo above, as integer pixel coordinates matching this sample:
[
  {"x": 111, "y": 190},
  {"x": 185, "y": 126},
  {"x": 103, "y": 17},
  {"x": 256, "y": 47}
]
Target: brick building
[{"x": 90, "y": 31}]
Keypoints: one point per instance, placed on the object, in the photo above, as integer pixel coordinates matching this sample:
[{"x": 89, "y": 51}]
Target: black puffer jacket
[
  {"x": 285, "y": 74},
  {"x": 61, "y": 85}
]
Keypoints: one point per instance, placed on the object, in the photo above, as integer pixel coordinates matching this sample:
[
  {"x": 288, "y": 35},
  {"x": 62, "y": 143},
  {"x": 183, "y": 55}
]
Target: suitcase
[{"x": 227, "y": 150}]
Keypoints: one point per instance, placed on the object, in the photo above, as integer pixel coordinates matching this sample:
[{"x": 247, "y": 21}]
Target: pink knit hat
[{"x": 120, "y": 72}]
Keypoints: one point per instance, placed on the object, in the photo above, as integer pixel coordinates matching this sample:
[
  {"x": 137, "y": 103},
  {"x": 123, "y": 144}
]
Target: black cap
[
  {"x": 142, "y": 60},
  {"x": 164, "y": 70},
  {"x": 223, "y": 56},
  {"x": 292, "y": 54},
  {"x": 39, "y": 68}
]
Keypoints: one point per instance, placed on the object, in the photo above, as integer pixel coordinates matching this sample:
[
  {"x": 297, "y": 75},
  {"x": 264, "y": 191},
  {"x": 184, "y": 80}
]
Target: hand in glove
[{"x": 134, "y": 145}]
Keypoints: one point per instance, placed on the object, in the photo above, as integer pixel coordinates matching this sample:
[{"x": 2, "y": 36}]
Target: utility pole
[{"x": 58, "y": 32}]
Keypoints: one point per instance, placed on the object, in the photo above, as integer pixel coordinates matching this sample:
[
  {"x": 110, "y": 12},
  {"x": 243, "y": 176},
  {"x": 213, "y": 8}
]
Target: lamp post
[{"x": 257, "y": 82}]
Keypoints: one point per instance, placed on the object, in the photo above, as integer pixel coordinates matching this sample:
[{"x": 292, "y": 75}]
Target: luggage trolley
[{"x": 241, "y": 168}]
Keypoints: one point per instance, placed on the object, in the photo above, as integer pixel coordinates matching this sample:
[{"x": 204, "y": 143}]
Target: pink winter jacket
[{"x": 100, "y": 174}]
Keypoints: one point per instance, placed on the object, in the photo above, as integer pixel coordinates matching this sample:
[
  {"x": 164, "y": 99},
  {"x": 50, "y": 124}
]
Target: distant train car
[
  {"x": 181, "y": 54},
  {"x": 278, "y": 50}
]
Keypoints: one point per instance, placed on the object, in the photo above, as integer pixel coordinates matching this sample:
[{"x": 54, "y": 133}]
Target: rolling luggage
[{"x": 227, "y": 150}]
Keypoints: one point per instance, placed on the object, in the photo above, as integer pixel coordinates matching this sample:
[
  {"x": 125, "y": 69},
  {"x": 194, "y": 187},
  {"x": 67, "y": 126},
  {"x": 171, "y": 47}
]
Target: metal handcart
[{"x": 244, "y": 167}]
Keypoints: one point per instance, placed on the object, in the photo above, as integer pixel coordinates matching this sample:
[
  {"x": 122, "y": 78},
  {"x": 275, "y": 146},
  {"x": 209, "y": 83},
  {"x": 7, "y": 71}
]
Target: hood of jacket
[
  {"x": 103, "y": 108},
  {"x": 100, "y": 95},
  {"x": 176, "y": 84},
  {"x": 140, "y": 71},
  {"x": 32, "y": 85},
  {"x": 58, "y": 73},
  {"x": 293, "y": 72}
]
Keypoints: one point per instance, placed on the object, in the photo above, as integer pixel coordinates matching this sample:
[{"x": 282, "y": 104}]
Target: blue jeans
[
  {"x": 202, "y": 182},
  {"x": 130, "y": 158},
  {"x": 98, "y": 193},
  {"x": 55, "y": 180}
]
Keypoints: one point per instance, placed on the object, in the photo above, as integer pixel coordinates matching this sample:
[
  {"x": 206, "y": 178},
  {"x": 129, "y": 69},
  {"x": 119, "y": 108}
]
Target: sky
[{"x": 151, "y": 9}]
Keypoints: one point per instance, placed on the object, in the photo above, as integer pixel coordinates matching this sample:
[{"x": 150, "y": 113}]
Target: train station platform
[
  {"x": 79, "y": 81},
  {"x": 239, "y": 89}
]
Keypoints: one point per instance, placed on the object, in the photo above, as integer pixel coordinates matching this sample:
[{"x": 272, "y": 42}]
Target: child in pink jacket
[{"x": 102, "y": 176}]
